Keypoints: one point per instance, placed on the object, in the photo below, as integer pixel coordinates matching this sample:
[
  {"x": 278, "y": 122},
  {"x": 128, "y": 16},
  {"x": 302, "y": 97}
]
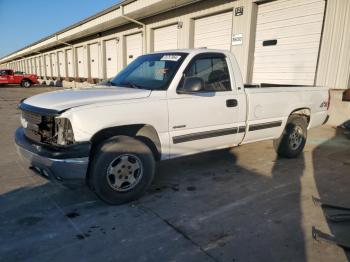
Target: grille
[
  {"x": 39, "y": 128},
  {"x": 31, "y": 117},
  {"x": 32, "y": 129}
]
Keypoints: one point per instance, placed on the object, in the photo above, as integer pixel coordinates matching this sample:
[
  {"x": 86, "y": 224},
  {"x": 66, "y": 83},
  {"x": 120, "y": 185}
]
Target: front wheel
[
  {"x": 293, "y": 139},
  {"x": 122, "y": 170},
  {"x": 26, "y": 83}
]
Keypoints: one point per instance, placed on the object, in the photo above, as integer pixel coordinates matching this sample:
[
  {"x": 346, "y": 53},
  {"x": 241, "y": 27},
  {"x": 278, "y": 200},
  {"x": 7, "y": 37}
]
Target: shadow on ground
[
  {"x": 333, "y": 187},
  {"x": 200, "y": 208}
]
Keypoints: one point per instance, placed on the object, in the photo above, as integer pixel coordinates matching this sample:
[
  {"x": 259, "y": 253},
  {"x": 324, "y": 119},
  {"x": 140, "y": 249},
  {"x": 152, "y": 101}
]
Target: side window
[
  {"x": 3, "y": 72},
  {"x": 213, "y": 71}
]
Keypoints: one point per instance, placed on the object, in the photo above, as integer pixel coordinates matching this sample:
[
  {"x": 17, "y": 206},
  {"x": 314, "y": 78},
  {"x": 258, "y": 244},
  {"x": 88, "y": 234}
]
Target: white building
[{"x": 284, "y": 41}]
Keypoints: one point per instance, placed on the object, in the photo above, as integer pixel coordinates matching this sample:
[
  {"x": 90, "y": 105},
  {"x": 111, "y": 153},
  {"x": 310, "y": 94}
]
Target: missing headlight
[{"x": 65, "y": 135}]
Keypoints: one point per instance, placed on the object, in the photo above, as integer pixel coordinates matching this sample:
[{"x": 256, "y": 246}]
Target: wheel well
[
  {"x": 306, "y": 112},
  {"x": 27, "y": 80},
  {"x": 145, "y": 133}
]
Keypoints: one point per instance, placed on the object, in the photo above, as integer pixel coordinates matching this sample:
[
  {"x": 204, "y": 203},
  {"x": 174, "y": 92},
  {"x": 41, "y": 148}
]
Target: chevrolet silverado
[{"x": 161, "y": 106}]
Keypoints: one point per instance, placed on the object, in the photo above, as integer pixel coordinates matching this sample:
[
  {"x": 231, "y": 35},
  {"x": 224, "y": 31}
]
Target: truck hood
[{"x": 69, "y": 98}]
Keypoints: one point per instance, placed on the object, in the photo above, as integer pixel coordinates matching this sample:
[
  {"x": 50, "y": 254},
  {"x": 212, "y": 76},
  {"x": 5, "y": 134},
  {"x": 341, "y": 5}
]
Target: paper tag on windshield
[{"x": 170, "y": 58}]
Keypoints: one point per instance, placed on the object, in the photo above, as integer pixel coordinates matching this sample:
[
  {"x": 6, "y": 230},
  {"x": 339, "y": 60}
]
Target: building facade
[{"x": 304, "y": 42}]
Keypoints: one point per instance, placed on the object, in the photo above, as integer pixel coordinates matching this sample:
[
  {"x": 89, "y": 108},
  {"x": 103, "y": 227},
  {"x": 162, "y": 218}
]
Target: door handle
[{"x": 231, "y": 102}]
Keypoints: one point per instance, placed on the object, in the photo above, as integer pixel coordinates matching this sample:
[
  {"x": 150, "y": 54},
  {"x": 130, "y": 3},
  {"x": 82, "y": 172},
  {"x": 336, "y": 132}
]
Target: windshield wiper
[
  {"x": 133, "y": 85},
  {"x": 107, "y": 83}
]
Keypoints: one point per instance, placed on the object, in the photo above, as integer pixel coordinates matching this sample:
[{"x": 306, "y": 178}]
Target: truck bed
[{"x": 270, "y": 103}]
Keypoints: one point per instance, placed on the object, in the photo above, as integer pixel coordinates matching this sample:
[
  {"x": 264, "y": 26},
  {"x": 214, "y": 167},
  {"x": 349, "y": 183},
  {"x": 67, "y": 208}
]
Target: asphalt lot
[{"x": 242, "y": 204}]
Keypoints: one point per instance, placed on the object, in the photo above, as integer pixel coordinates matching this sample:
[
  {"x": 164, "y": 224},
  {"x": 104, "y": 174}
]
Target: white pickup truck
[{"x": 161, "y": 106}]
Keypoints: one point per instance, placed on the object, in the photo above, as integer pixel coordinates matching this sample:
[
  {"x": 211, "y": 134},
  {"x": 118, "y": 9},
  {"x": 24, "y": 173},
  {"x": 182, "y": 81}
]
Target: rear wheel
[
  {"x": 26, "y": 83},
  {"x": 292, "y": 141},
  {"x": 122, "y": 170}
]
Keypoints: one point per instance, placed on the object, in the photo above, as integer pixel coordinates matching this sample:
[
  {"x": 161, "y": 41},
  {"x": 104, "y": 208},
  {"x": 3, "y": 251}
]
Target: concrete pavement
[{"x": 243, "y": 204}]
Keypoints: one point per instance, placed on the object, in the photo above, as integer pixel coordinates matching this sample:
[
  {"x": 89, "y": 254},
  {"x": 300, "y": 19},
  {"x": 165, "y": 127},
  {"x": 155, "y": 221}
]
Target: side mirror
[{"x": 191, "y": 85}]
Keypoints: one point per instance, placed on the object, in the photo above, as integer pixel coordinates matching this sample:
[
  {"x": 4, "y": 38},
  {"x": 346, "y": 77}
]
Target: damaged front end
[
  {"x": 46, "y": 142},
  {"x": 47, "y": 127}
]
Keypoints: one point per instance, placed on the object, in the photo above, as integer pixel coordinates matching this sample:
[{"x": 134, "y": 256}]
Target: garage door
[
  {"x": 70, "y": 66},
  {"x": 42, "y": 66},
  {"x": 48, "y": 66},
  {"x": 35, "y": 69},
  {"x": 213, "y": 31},
  {"x": 26, "y": 62},
  {"x": 165, "y": 38},
  {"x": 133, "y": 45},
  {"x": 29, "y": 69},
  {"x": 24, "y": 66},
  {"x": 61, "y": 64},
  {"x": 111, "y": 58},
  {"x": 54, "y": 65},
  {"x": 33, "y": 65},
  {"x": 37, "y": 64},
  {"x": 94, "y": 63},
  {"x": 28, "y": 66},
  {"x": 81, "y": 62},
  {"x": 287, "y": 41}
]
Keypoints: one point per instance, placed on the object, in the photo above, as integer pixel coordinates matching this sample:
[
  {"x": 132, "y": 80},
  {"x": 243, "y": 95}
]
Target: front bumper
[{"x": 68, "y": 164}]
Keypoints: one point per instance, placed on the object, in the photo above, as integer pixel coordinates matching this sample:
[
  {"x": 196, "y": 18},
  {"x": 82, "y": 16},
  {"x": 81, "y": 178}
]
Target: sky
[{"x": 26, "y": 21}]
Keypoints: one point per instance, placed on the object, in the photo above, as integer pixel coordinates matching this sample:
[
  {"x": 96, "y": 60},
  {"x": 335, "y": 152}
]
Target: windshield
[{"x": 152, "y": 72}]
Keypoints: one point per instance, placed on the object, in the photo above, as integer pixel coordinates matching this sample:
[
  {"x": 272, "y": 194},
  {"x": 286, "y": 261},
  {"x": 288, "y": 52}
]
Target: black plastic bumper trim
[
  {"x": 204, "y": 135},
  {"x": 265, "y": 125},
  {"x": 241, "y": 129}
]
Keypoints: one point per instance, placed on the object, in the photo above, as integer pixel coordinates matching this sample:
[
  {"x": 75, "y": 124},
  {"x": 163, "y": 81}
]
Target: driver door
[{"x": 206, "y": 119}]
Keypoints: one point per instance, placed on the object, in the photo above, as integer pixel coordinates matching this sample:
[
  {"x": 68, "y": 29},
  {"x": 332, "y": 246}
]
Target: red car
[{"x": 8, "y": 77}]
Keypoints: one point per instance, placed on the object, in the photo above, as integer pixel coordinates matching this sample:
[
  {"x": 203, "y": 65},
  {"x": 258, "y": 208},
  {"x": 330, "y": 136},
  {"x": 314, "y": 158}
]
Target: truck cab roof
[{"x": 194, "y": 51}]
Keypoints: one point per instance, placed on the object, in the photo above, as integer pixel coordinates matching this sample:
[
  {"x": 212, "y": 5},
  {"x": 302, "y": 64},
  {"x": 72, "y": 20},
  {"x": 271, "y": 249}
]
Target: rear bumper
[{"x": 68, "y": 165}]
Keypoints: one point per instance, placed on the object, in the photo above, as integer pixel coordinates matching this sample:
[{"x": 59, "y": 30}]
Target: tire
[
  {"x": 122, "y": 169},
  {"x": 293, "y": 139},
  {"x": 26, "y": 83}
]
